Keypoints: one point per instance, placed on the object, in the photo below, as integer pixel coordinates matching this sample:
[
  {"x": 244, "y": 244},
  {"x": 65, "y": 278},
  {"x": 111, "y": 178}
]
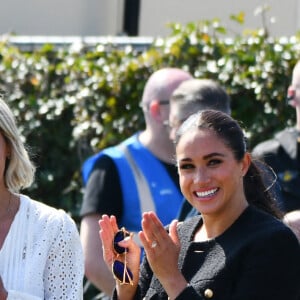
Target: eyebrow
[{"x": 206, "y": 157}]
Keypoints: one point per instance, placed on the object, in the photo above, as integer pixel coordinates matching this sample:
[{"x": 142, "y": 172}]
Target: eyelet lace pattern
[{"x": 41, "y": 257}]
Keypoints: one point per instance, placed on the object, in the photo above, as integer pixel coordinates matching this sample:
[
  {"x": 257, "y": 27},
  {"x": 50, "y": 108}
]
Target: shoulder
[
  {"x": 107, "y": 157},
  {"x": 267, "y": 147},
  {"x": 46, "y": 215},
  {"x": 276, "y": 242},
  {"x": 265, "y": 228},
  {"x": 253, "y": 213},
  {"x": 272, "y": 146},
  {"x": 101, "y": 158},
  {"x": 104, "y": 162}
]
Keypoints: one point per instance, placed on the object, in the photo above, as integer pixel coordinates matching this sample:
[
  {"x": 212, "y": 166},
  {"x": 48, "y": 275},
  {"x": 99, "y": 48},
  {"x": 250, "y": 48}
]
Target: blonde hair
[{"x": 19, "y": 170}]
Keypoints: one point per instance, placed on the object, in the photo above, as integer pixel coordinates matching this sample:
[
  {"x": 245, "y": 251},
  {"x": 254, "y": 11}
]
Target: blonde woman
[{"x": 40, "y": 250}]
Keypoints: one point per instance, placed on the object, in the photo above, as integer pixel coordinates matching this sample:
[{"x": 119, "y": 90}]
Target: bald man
[{"x": 137, "y": 175}]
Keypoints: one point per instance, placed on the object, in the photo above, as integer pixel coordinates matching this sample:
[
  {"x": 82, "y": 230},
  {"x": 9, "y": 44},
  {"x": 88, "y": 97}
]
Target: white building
[{"x": 105, "y": 17}]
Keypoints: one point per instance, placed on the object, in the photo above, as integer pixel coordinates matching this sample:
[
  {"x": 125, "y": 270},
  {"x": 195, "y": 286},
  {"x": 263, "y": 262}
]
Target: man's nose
[{"x": 291, "y": 93}]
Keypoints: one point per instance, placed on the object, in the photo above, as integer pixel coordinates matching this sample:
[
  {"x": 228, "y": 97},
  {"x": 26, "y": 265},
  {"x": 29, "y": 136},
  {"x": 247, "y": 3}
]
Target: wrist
[{"x": 174, "y": 286}]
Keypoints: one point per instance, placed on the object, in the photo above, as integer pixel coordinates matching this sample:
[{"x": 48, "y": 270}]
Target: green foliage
[{"x": 71, "y": 102}]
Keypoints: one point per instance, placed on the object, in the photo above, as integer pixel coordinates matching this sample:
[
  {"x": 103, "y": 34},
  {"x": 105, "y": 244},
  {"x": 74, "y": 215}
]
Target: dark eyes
[
  {"x": 186, "y": 166},
  {"x": 214, "y": 162},
  {"x": 210, "y": 163}
]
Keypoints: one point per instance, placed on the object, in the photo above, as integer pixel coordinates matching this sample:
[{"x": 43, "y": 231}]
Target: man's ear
[{"x": 154, "y": 109}]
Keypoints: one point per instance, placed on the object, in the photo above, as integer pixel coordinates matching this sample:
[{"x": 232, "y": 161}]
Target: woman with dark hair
[{"x": 237, "y": 248}]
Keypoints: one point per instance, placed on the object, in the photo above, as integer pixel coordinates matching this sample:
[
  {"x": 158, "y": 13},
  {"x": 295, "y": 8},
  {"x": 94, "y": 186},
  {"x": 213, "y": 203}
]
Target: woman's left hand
[
  {"x": 162, "y": 251},
  {"x": 162, "y": 248}
]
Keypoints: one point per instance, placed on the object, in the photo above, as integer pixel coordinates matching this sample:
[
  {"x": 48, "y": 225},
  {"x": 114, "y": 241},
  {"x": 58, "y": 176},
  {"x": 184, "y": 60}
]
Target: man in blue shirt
[{"x": 135, "y": 176}]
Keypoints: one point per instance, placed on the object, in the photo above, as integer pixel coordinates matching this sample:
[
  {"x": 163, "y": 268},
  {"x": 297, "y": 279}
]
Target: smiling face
[{"x": 211, "y": 178}]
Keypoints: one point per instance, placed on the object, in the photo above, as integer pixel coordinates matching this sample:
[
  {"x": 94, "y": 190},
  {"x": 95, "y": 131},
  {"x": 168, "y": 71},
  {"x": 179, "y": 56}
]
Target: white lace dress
[{"x": 41, "y": 257}]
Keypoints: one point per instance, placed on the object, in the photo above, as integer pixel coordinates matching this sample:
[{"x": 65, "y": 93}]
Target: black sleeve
[
  {"x": 103, "y": 192},
  {"x": 271, "y": 269}
]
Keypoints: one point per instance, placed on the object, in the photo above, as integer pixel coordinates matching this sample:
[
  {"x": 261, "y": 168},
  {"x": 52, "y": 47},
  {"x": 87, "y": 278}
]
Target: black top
[
  {"x": 103, "y": 193},
  {"x": 257, "y": 258},
  {"x": 281, "y": 153}
]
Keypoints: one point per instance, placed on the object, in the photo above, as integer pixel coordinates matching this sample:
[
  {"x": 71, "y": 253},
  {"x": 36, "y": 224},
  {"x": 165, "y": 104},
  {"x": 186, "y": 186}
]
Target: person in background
[
  {"x": 236, "y": 248},
  {"x": 40, "y": 251},
  {"x": 282, "y": 152},
  {"x": 132, "y": 177},
  {"x": 192, "y": 96},
  {"x": 292, "y": 219}
]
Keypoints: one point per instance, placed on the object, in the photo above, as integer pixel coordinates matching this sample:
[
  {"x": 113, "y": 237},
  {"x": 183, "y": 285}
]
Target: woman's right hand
[{"x": 108, "y": 229}]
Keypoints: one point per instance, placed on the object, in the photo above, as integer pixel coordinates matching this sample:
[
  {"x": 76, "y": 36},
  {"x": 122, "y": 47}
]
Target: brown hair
[{"x": 228, "y": 129}]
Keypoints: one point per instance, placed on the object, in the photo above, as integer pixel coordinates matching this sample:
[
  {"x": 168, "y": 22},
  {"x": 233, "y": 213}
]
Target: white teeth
[{"x": 206, "y": 193}]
